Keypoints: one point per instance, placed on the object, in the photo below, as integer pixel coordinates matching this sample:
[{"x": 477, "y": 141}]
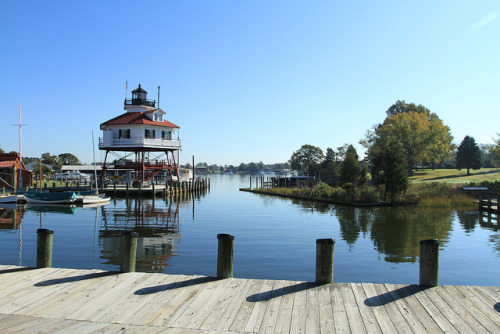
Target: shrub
[{"x": 322, "y": 190}]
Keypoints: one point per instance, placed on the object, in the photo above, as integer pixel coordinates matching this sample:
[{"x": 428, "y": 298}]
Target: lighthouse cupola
[{"x": 139, "y": 101}]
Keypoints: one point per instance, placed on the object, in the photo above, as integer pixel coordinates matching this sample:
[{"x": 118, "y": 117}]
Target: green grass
[{"x": 456, "y": 176}]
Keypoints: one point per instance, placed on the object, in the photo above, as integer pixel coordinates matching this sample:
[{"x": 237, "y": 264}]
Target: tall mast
[
  {"x": 20, "y": 185},
  {"x": 95, "y": 168}
]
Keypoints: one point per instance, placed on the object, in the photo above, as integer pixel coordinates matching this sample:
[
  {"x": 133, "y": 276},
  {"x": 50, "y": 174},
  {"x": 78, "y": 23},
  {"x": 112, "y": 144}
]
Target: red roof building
[
  {"x": 10, "y": 164},
  {"x": 140, "y": 130}
]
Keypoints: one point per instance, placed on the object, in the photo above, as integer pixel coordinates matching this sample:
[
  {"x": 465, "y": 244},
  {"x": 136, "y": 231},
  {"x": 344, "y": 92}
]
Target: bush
[{"x": 322, "y": 190}]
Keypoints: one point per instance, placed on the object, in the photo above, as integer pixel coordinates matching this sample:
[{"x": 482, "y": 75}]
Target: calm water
[{"x": 274, "y": 238}]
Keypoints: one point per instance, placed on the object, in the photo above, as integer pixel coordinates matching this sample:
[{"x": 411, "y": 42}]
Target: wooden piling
[
  {"x": 429, "y": 262},
  {"x": 225, "y": 256},
  {"x": 45, "y": 239},
  {"x": 324, "y": 261},
  {"x": 128, "y": 251}
]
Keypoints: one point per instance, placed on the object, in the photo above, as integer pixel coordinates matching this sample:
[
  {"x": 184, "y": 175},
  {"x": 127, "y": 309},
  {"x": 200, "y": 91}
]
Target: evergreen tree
[
  {"x": 389, "y": 167},
  {"x": 468, "y": 155},
  {"x": 350, "y": 170}
]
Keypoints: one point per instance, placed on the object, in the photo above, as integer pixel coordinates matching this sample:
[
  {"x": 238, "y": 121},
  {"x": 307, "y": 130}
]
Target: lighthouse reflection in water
[{"x": 158, "y": 229}]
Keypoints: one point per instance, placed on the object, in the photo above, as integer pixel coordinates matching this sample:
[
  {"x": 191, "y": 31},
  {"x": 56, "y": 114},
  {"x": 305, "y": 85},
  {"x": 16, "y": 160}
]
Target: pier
[
  {"x": 119, "y": 189},
  {"x": 488, "y": 202},
  {"x": 84, "y": 301}
]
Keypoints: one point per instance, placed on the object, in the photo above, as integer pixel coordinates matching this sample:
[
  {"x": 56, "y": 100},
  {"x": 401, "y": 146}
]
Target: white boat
[
  {"x": 8, "y": 198},
  {"x": 93, "y": 199}
]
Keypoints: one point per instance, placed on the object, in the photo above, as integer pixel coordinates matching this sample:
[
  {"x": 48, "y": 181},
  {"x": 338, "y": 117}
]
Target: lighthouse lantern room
[{"x": 144, "y": 132}]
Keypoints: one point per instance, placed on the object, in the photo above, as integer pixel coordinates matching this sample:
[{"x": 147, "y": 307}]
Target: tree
[
  {"x": 468, "y": 155},
  {"x": 422, "y": 134},
  {"x": 306, "y": 159},
  {"x": 68, "y": 159},
  {"x": 401, "y": 107},
  {"x": 349, "y": 170},
  {"x": 495, "y": 151},
  {"x": 46, "y": 171},
  {"x": 51, "y": 160},
  {"x": 388, "y": 167},
  {"x": 1, "y": 151}
]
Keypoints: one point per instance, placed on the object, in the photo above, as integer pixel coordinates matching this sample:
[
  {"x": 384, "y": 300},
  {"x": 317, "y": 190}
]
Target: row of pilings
[{"x": 428, "y": 275}]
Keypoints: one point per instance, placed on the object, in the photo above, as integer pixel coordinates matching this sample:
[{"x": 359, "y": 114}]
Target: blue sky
[{"x": 245, "y": 80}]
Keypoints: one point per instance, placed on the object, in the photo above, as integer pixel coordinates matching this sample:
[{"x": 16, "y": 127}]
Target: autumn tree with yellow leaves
[{"x": 422, "y": 134}]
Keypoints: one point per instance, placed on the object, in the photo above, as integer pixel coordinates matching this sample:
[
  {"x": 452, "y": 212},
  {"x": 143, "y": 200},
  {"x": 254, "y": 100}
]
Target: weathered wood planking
[{"x": 84, "y": 301}]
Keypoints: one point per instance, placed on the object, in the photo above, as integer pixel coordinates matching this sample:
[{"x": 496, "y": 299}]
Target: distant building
[{"x": 10, "y": 168}]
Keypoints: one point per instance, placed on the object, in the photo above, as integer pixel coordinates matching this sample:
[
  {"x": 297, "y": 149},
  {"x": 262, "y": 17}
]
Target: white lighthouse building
[{"x": 141, "y": 130}]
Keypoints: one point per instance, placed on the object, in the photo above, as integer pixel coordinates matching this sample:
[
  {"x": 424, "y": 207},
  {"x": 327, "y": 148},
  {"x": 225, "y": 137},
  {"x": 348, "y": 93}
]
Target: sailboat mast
[
  {"x": 95, "y": 169},
  {"x": 20, "y": 185}
]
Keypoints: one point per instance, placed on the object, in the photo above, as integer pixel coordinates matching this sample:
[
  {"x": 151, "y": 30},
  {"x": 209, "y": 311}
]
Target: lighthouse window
[
  {"x": 166, "y": 135},
  {"x": 124, "y": 133},
  {"x": 149, "y": 133}
]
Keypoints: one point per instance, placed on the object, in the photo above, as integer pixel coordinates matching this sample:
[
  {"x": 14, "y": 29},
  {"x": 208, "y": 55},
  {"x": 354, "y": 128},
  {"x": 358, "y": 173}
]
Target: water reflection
[
  {"x": 156, "y": 222},
  {"x": 10, "y": 217},
  {"x": 395, "y": 231}
]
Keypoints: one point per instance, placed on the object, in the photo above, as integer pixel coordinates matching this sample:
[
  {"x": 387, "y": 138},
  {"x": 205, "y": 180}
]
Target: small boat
[
  {"x": 66, "y": 197},
  {"x": 8, "y": 198},
  {"x": 91, "y": 197}
]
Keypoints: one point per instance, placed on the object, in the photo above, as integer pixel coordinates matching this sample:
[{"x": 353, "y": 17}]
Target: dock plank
[
  {"x": 234, "y": 305},
  {"x": 162, "y": 299},
  {"x": 283, "y": 322},
  {"x": 369, "y": 319},
  {"x": 352, "y": 309},
  {"x": 176, "y": 301},
  {"x": 245, "y": 311},
  {"x": 338, "y": 309},
  {"x": 462, "y": 314},
  {"x": 273, "y": 307},
  {"x": 258, "y": 311},
  {"x": 433, "y": 310}
]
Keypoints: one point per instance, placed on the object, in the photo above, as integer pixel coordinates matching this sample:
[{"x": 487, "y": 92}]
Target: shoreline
[{"x": 329, "y": 201}]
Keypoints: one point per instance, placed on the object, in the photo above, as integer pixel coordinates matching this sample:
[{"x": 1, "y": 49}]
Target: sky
[{"x": 245, "y": 80}]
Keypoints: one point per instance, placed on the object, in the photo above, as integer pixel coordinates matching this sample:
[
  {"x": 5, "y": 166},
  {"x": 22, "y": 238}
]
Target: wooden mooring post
[
  {"x": 324, "y": 261},
  {"x": 128, "y": 251},
  {"x": 429, "y": 262},
  {"x": 44, "y": 242},
  {"x": 225, "y": 256}
]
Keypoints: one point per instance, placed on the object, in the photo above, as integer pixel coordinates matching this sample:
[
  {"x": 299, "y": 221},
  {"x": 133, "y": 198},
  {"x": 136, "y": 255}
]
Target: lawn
[{"x": 455, "y": 176}]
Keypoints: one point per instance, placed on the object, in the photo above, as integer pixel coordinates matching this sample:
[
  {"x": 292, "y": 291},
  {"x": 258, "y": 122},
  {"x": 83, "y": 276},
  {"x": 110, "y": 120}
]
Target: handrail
[{"x": 140, "y": 102}]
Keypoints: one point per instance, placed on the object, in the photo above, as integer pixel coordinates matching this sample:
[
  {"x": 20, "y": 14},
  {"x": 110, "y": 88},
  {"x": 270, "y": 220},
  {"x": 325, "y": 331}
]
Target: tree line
[{"x": 251, "y": 167}]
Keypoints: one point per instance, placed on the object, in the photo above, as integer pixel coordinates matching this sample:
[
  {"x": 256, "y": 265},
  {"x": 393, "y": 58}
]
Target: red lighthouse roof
[{"x": 139, "y": 117}]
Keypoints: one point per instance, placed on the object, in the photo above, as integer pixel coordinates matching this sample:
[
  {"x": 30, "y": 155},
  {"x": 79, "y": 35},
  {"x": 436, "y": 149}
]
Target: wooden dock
[{"x": 59, "y": 300}]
